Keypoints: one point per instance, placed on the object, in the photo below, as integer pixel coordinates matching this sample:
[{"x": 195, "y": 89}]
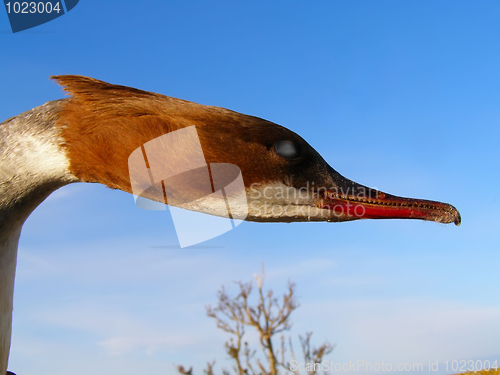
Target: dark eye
[{"x": 287, "y": 149}]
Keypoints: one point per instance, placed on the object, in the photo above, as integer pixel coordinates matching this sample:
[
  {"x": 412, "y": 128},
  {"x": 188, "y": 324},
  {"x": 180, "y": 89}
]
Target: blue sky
[{"x": 400, "y": 96}]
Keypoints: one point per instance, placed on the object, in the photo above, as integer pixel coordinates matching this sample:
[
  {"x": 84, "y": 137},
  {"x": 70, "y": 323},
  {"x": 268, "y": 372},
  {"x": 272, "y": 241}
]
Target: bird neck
[
  {"x": 8, "y": 260},
  {"x": 33, "y": 163},
  {"x": 32, "y": 166}
]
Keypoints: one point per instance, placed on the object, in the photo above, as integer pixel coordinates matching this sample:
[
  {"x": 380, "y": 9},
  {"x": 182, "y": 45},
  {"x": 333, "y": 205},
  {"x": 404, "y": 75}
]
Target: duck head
[{"x": 284, "y": 178}]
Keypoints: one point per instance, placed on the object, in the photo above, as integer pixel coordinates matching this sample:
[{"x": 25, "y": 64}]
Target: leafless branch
[{"x": 268, "y": 316}]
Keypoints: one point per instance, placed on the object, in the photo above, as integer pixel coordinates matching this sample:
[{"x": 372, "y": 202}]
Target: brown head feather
[{"x": 103, "y": 123}]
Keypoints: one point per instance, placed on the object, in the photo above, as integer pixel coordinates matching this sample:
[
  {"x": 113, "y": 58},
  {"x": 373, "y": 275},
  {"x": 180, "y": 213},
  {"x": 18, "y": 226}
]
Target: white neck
[
  {"x": 8, "y": 257},
  {"x": 32, "y": 166}
]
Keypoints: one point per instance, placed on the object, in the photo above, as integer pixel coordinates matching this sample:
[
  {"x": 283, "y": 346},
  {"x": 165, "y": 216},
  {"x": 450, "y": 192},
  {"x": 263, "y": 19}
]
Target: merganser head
[{"x": 285, "y": 179}]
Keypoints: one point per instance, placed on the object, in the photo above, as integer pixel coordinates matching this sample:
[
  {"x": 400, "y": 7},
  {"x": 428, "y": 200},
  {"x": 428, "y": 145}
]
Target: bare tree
[{"x": 269, "y": 316}]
